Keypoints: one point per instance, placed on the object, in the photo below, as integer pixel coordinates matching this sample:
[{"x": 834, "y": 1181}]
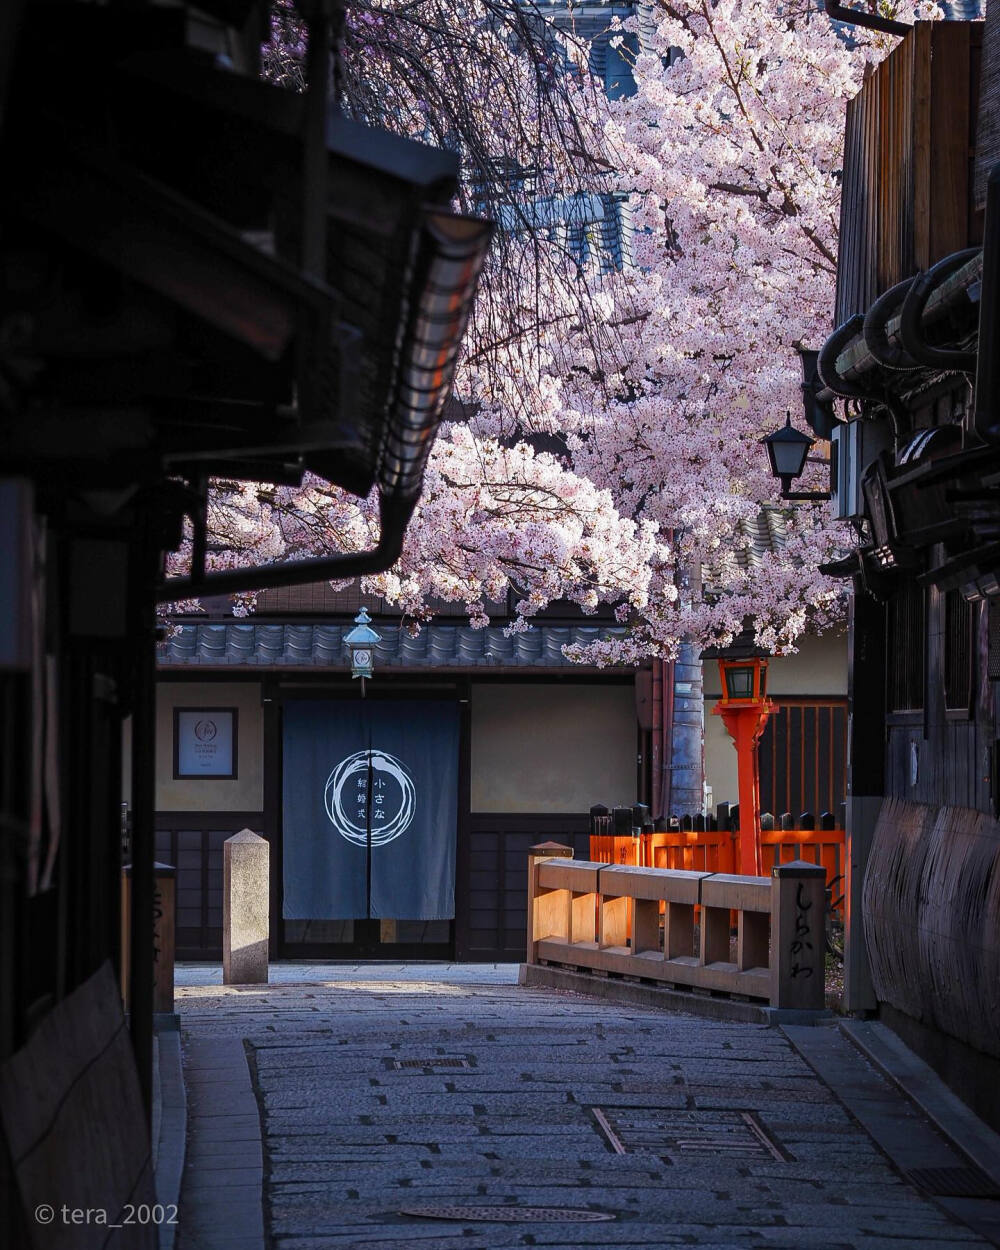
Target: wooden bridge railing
[
  {"x": 581, "y": 913},
  {"x": 715, "y": 850}
]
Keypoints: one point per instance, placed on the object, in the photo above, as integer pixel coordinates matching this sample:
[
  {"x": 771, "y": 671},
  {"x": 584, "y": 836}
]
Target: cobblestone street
[{"x": 387, "y": 1092}]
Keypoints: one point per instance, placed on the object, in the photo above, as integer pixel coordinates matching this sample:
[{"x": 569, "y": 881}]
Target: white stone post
[{"x": 245, "y": 894}]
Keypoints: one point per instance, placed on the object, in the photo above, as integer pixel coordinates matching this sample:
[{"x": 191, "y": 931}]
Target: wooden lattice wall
[{"x": 908, "y": 163}]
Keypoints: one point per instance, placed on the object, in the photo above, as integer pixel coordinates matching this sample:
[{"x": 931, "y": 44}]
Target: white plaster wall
[
  {"x": 819, "y": 668},
  {"x": 552, "y": 748},
  {"x": 720, "y": 759},
  {"x": 244, "y": 793}
]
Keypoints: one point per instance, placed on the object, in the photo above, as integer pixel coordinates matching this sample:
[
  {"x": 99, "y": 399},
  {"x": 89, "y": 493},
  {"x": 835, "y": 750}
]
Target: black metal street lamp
[{"x": 787, "y": 449}]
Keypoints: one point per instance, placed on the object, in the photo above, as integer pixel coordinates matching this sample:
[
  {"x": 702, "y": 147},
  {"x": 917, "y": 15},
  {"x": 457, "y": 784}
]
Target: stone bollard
[
  {"x": 798, "y": 936},
  {"x": 245, "y": 893}
]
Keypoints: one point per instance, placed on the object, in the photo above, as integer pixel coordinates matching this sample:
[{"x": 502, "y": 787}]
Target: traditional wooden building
[
  {"x": 534, "y": 742},
  {"x": 527, "y": 741},
  {"x": 201, "y": 275},
  {"x": 915, "y": 359}
]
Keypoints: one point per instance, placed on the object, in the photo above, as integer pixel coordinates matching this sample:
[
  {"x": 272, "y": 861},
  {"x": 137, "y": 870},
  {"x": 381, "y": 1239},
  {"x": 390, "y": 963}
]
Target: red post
[{"x": 745, "y": 715}]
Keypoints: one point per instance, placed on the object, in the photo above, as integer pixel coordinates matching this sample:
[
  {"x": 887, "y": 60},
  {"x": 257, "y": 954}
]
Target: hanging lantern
[
  {"x": 743, "y": 679},
  {"x": 361, "y": 641}
]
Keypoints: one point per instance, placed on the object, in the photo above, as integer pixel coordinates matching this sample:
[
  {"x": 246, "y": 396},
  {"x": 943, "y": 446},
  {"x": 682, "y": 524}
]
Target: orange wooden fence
[{"x": 715, "y": 851}]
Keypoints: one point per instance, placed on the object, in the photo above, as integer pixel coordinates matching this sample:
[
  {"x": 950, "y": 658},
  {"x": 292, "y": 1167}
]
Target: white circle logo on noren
[{"x": 393, "y": 798}]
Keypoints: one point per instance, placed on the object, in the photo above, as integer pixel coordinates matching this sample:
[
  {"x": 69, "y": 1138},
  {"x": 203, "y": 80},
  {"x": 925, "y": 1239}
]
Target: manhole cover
[
  {"x": 679, "y": 1135},
  {"x": 954, "y": 1182},
  {"x": 511, "y": 1215},
  {"x": 439, "y": 1061}
]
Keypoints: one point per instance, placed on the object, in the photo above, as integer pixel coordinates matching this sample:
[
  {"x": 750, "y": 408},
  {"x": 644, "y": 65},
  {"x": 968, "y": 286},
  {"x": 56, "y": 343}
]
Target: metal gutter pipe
[
  {"x": 395, "y": 515},
  {"x": 892, "y": 356},
  {"x": 826, "y": 362},
  {"x": 858, "y": 17},
  {"x": 911, "y": 333}
]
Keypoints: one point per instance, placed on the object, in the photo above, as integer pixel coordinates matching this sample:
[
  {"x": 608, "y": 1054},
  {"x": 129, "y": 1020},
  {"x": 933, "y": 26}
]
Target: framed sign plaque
[{"x": 205, "y": 743}]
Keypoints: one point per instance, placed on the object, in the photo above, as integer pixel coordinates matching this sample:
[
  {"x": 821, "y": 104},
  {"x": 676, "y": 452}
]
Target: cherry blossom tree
[
  {"x": 653, "y": 385},
  {"x": 491, "y": 80},
  {"x": 734, "y": 145}
]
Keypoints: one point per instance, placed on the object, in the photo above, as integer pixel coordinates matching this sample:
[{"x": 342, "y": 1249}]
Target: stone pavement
[{"x": 385, "y": 1092}]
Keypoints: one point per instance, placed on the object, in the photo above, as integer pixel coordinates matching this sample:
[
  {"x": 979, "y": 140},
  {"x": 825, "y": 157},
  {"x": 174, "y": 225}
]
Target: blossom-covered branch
[{"x": 651, "y": 385}]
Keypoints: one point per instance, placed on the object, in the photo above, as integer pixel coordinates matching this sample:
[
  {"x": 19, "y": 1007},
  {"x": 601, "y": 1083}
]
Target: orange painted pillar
[{"x": 745, "y": 721}]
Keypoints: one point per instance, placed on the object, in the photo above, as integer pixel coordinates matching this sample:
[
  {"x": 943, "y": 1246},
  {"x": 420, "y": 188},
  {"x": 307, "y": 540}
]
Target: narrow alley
[{"x": 397, "y": 1102}]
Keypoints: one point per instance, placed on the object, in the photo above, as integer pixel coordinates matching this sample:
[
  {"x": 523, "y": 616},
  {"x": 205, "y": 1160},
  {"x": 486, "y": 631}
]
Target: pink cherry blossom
[{"x": 657, "y": 381}]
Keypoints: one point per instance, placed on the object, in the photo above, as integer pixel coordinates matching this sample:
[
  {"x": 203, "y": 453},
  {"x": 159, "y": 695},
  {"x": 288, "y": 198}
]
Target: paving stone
[{"x": 349, "y": 1141}]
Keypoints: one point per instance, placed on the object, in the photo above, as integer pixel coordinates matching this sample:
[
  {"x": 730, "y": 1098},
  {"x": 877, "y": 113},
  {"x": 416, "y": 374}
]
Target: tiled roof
[
  {"x": 232, "y": 644},
  {"x": 751, "y": 543},
  {"x": 765, "y": 535}
]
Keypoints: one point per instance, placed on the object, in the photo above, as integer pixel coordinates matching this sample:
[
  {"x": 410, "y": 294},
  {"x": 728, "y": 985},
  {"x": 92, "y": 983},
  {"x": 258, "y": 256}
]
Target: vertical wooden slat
[
  {"x": 840, "y": 758},
  {"x": 905, "y": 198},
  {"x": 922, "y": 164},
  {"x": 949, "y": 139},
  {"x": 786, "y": 761},
  {"x": 869, "y": 278},
  {"x": 765, "y": 762},
  {"x": 797, "y": 761},
  {"x": 824, "y": 772},
  {"x": 851, "y": 215}
]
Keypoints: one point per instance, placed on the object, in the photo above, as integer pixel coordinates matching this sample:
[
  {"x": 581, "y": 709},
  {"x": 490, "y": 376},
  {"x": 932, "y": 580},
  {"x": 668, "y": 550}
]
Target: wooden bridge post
[
  {"x": 798, "y": 935},
  {"x": 537, "y": 855}
]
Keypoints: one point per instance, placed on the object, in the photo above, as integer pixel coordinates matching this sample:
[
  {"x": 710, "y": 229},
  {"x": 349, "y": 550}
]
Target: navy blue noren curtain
[{"x": 369, "y": 778}]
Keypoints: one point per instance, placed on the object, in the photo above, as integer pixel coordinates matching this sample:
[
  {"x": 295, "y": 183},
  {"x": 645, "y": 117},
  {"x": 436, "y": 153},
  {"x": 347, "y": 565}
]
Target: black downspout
[
  {"x": 826, "y": 365},
  {"x": 858, "y": 17},
  {"x": 394, "y": 516}
]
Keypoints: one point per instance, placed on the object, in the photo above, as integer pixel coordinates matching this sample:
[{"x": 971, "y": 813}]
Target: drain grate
[
  {"x": 437, "y": 1061},
  {"x": 954, "y": 1182},
  {"x": 511, "y": 1215},
  {"x": 680, "y": 1135}
]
